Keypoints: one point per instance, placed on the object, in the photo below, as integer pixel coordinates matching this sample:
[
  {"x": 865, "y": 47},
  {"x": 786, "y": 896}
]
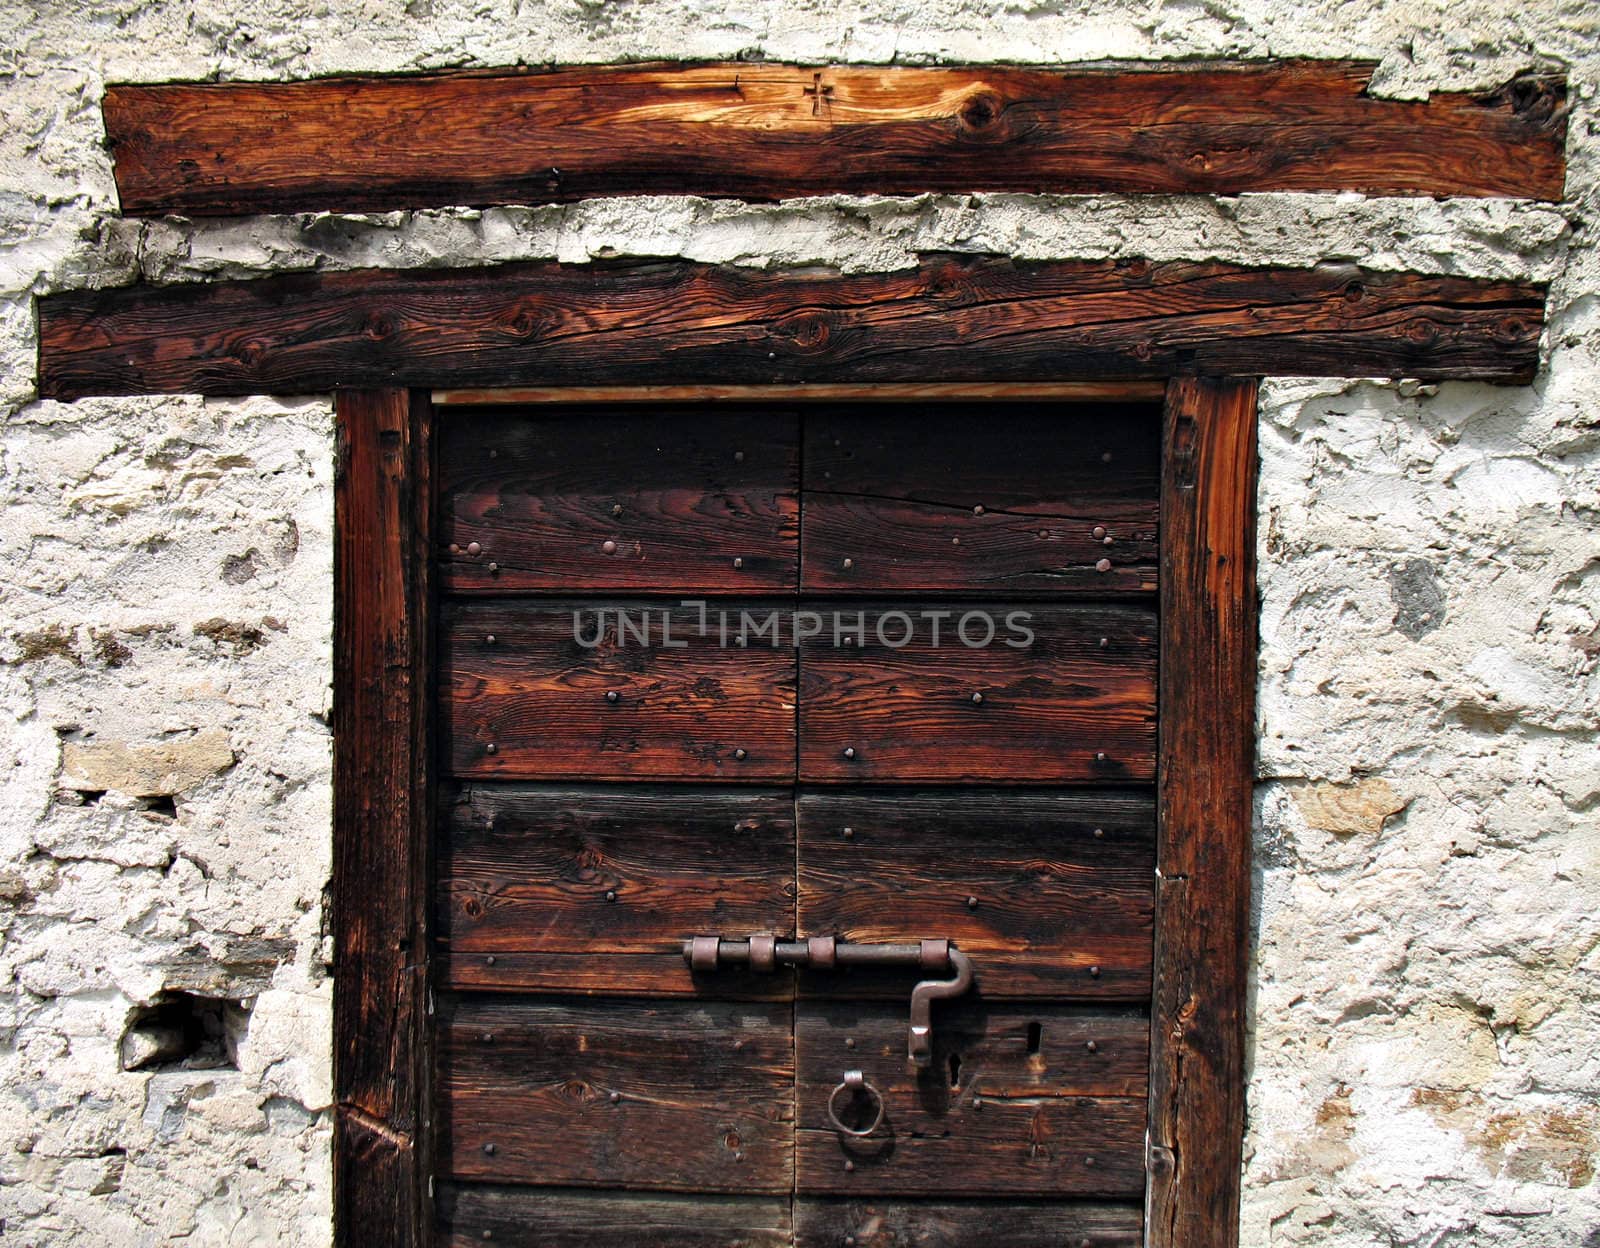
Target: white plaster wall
[{"x": 1426, "y": 1040}]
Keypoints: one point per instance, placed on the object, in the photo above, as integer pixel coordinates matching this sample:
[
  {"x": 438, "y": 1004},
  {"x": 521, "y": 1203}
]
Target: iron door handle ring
[{"x": 855, "y": 1082}]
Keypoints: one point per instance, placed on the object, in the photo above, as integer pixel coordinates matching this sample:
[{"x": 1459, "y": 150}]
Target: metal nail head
[
  {"x": 615, "y": 1098},
  {"x": 972, "y": 903},
  {"x": 608, "y": 547},
  {"x": 491, "y": 748},
  {"x": 1103, "y": 565},
  {"x": 738, "y": 563},
  {"x": 489, "y": 640},
  {"x": 611, "y": 894},
  {"x": 473, "y": 548},
  {"x": 741, "y": 755},
  {"x": 1099, "y": 531},
  {"x": 616, "y": 509},
  {"x": 1092, "y": 1046},
  {"x": 490, "y": 1149},
  {"x": 977, "y": 697},
  {"x": 978, "y": 510},
  {"x": 494, "y": 569},
  {"x": 1094, "y": 972},
  {"x": 849, "y": 751},
  {"x": 848, "y": 564},
  {"x": 613, "y": 696}
]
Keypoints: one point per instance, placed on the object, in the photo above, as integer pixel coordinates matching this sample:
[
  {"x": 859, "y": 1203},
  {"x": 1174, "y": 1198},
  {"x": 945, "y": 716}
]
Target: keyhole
[
  {"x": 1035, "y": 1038},
  {"x": 955, "y": 1070}
]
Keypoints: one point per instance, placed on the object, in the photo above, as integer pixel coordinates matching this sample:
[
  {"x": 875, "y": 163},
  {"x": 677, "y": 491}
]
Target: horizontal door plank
[
  {"x": 670, "y": 322},
  {"x": 1051, "y": 894},
  {"x": 678, "y": 1097},
  {"x": 1059, "y": 694},
  {"x": 470, "y": 1214},
  {"x": 1012, "y": 499},
  {"x": 770, "y": 131},
  {"x": 596, "y": 889},
  {"x": 1015, "y": 1102},
  {"x": 820, "y": 1222},
  {"x": 533, "y": 703},
  {"x": 651, "y": 498}
]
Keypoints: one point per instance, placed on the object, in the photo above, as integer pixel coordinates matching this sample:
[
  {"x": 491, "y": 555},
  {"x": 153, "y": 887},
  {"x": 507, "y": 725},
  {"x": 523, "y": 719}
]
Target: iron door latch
[{"x": 825, "y": 953}]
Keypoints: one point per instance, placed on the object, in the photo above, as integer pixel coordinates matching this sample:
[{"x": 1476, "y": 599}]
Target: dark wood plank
[
  {"x": 661, "y": 500},
  {"x": 382, "y": 775},
  {"x": 522, "y": 1218},
  {"x": 879, "y": 1223},
  {"x": 1075, "y": 703},
  {"x": 677, "y": 1097},
  {"x": 952, "y": 318},
  {"x": 769, "y": 131},
  {"x": 999, "y": 499},
  {"x": 1051, "y": 894},
  {"x": 596, "y": 889},
  {"x": 532, "y": 703},
  {"x": 1208, "y": 658},
  {"x": 1002, "y": 1120}
]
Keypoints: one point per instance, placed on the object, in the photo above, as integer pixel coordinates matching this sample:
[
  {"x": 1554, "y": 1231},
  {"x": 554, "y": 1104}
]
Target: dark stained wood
[
  {"x": 683, "y": 711},
  {"x": 1059, "y": 708},
  {"x": 1064, "y": 883},
  {"x": 768, "y": 131},
  {"x": 950, "y": 319},
  {"x": 1208, "y": 675},
  {"x": 692, "y": 501},
  {"x": 967, "y": 498},
  {"x": 382, "y": 774},
  {"x": 878, "y": 1223},
  {"x": 596, "y": 889},
  {"x": 1000, "y": 1121},
  {"x": 523, "y": 1218},
  {"x": 822, "y": 392},
  {"x": 704, "y": 1094}
]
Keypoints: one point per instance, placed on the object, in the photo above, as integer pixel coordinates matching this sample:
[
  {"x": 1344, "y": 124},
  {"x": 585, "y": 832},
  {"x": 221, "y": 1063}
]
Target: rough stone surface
[{"x": 1426, "y": 1030}]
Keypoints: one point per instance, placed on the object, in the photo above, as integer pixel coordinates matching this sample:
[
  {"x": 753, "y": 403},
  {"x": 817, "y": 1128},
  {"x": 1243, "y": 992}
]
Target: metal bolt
[
  {"x": 488, "y": 1037},
  {"x": 738, "y": 563},
  {"x": 741, "y": 755},
  {"x": 849, "y": 751},
  {"x": 615, "y": 1098},
  {"x": 977, "y": 697},
  {"x": 1103, "y": 565},
  {"x": 489, "y": 640},
  {"x": 1107, "y": 542},
  {"x": 608, "y": 547},
  {"x": 616, "y": 509},
  {"x": 978, "y": 510},
  {"x": 490, "y": 1149},
  {"x": 849, "y": 641},
  {"x": 1092, "y": 1047},
  {"x": 848, "y": 564},
  {"x": 613, "y": 696},
  {"x": 1099, "y": 832},
  {"x": 494, "y": 569},
  {"x": 849, "y": 1042},
  {"x": 1099, "y": 530},
  {"x": 955, "y": 541},
  {"x": 488, "y": 959},
  {"x": 849, "y": 1165},
  {"x": 491, "y": 748},
  {"x": 1094, "y": 972},
  {"x": 454, "y": 549},
  {"x": 1099, "y": 756},
  {"x": 1104, "y": 642},
  {"x": 1044, "y": 532},
  {"x": 487, "y": 1234},
  {"x": 1089, "y": 1161},
  {"x": 473, "y": 548},
  {"x": 611, "y": 894},
  {"x": 972, "y": 903},
  {"x": 849, "y": 834}
]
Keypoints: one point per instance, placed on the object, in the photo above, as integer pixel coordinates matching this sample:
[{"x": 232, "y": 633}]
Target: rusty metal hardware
[
  {"x": 765, "y": 953},
  {"x": 856, "y": 1084}
]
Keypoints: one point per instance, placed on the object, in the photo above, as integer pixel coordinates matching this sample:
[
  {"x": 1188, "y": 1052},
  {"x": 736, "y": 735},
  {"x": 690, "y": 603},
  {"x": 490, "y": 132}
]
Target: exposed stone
[
  {"x": 160, "y": 769},
  {"x": 1418, "y": 600}
]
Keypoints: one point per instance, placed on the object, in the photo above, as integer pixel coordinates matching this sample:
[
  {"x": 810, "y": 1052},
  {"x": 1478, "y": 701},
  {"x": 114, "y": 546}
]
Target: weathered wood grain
[
  {"x": 1076, "y": 704},
  {"x": 969, "y": 498},
  {"x": 1051, "y": 894},
  {"x": 676, "y": 1097},
  {"x": 999, "y": 1121},
  {"x": 950, "y": 319},
  {"x": 382, "y": 777},
  {"x": 596, "y": 889},
  {"x": 470, "y": 1214},
  {"x": 820, "y": 1222},
  {"x": 532, "y": 704},
  {"x": 768, "y": 131},
  {"x": 649, "y": 499},
  {"x": 1208, "y": 675},
  {"x": 821, "y": 392}
]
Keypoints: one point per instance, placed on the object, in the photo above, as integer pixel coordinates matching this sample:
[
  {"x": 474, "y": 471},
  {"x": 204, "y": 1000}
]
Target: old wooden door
[{"x": 879, "y": 673}]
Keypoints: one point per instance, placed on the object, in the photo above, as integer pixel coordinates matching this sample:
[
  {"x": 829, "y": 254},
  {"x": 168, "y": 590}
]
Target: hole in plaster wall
[
  {"x": 165, "y": 805},
  {"x": 184, "y": 1031}
]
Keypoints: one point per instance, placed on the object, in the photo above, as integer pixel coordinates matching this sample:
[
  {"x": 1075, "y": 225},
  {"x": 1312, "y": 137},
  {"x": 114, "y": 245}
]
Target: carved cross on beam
[{"x": 818, "y": 91}]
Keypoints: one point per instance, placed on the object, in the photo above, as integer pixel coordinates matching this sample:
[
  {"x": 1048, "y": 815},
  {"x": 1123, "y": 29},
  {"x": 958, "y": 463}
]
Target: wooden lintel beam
[
  {"x": 951, "y": 319},
  {"x": 768, "y": 131}
]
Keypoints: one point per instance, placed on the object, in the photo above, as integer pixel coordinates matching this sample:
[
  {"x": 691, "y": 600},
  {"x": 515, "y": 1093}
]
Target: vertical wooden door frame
[{"x": 383, "y": 835}]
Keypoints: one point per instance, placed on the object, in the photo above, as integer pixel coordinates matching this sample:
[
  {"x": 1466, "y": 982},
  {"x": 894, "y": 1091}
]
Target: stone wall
[{"x": 1426, "y": 1034}]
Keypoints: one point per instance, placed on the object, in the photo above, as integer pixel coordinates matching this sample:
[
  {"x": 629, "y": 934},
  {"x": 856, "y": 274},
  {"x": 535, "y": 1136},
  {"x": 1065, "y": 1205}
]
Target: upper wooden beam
[
  {"x": 765, "y": 132},
  {"x": 951, "y": 319}
]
